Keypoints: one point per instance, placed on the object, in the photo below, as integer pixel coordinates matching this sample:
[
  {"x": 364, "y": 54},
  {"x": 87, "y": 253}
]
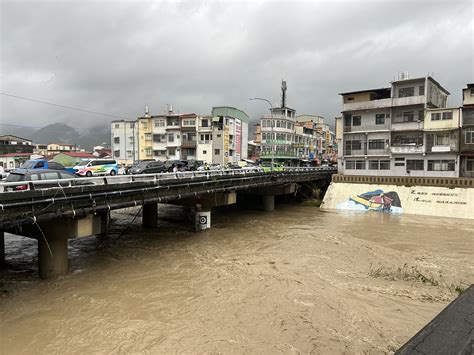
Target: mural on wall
[{"x": 376, "y": 200}]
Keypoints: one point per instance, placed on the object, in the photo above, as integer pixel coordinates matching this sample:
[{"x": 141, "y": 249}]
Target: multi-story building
[
  {"x": 220, "y": 138},
  {"x": 467, "y": 132},
  {"x": 56, "y": 148},
  {"x": 13, "y": 144},
  {"x": 229, "y": 135},
  {"x": 123, "y": 141},
  {"x": 204, "y": 139},
  {"x": 144, "y": 127},
  {"x": 391, "y": 131}
]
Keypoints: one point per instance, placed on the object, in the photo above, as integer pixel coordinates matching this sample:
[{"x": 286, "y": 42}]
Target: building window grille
[
  {"x": 379, "y": 164},
  {"x": 380, "y": 118},
  {"x": 376, "y": 144},
  {"x": 441, "y": 165},
  {"x": 355, "y": 164},
  {"x": 447, "y": 115},
  {"x": 406, "y": 92},
  {"x": 415, "y": 164},
  {"x": 470, "y": 136},
  {"x": 470, "y": 164},
  {"x": 116, "y": 140},
  {"x": 356, "y": 120}
]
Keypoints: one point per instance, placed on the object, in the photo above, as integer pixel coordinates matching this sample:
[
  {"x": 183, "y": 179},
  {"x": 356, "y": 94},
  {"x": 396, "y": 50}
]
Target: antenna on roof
[
  {"x": 283, "y": 93},
  {"x": 146, "y": 111}
]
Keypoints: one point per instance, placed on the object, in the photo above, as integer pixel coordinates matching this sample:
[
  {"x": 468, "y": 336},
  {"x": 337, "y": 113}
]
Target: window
[
  {"x": 347, "y": 120},
  {"x": 117, "y": 153},
  {"x": 350, "y": 98},
  {"x": 380, "y": 118},
  {"x": 116, "y": 140},
  {"x": 399, "y": 161},
  {"x": 447, "y": 115},
  {"x": 408, "y": 116},
  {"x": 204, "y": 152},
  {"x": 379, "y": 164},
  {"x": 132, "y": 125},
  {"x": 472, "y": 92},
  {"x": 355, "y": 164},
  {"x": 441, "y": 139},
  {"x": 145, "y": 125},
  {"x": 435, "y": 116},
  {"x": 406, "y": 92},
  {"x": 39, "y": 164},
  {"x": 278, "y": 124},
  {"x": 441, "y": 165},
  {"x": 170, "y": 137},
  {"x": 417, "y": 164},
  {"x": 356, "y": 121},
  {"x": 421, "y": 90},
  {"x": 470, "y": 164},
  {"x": 171, "y": 151},
  {"x": 354, "y": 145},
  {"x": 117, "y": 125},
  {"x": 415, "y": 139},
  {"x": 376, "y": 144},
  {"x": 159, "y": 123},
  {"x": 217, "y": 151},
  {"x": 205, "y": 123},
  {"x": 469, "y": 135}
]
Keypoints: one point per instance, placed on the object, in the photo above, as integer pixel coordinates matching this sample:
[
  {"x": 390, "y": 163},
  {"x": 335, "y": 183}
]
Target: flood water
[{"x": 296, "y": 280}]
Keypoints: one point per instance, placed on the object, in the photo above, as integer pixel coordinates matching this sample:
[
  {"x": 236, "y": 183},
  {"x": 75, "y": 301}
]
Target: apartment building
[
  {"x": 14, "y": 144},
  {"x": 467, "y": 132},
  {"x": 229, "y": 135},
  {"x": 288, "y": 138},
  {"x": 219, "y": 138},
  {"x": 124, "y": 136},
  {"x": 402, "y": 130},
  {"x": 56, "y": 148}
]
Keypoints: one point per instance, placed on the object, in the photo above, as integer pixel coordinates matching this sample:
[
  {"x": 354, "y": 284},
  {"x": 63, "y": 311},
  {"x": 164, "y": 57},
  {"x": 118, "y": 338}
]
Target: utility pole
[{"x": 271, "y": 126}]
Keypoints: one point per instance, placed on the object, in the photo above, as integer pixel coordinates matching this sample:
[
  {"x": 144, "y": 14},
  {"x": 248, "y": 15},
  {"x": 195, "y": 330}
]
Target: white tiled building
[
  {"x": 402, "y": 130},
  {"x": 124, "y": 137}
]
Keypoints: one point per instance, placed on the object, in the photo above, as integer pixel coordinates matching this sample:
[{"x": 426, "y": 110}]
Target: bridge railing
[{"x": 155, "y": 178}]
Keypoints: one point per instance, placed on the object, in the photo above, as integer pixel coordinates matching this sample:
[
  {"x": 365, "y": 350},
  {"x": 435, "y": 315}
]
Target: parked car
[
  {"x": 149, "y": 167},
  {"x": 44, "y": 164},
  {"x": 24, "y": 176},
  {"x": 96, "y": 167},
  {"x": 135, "y": 164}
]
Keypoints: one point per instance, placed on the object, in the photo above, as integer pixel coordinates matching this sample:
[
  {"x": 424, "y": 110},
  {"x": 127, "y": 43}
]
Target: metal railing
[{"x": 156, "y": 178}]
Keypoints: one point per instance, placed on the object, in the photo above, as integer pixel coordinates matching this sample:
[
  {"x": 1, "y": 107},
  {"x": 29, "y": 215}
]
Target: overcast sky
[{"x": 117, "y": 57}]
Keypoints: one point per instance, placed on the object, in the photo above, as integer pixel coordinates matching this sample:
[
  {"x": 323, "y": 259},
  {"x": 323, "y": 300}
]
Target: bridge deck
[{"x": 39, "y": 204}]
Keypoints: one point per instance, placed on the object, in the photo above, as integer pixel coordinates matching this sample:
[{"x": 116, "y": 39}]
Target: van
[{"x": 95, "y": 167}]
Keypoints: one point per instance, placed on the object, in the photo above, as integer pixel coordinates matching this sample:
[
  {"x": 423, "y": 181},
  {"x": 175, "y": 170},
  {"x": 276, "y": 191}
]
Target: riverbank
[{"x": 299, "y": 279}]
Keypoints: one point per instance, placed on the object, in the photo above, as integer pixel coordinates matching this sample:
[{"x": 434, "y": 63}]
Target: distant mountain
[
  {"x": 55, "y": 133},
  {"x": 63, "y": 133}
]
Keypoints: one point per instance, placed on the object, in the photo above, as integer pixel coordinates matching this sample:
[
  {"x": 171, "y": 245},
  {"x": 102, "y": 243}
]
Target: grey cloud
[{"x": 119, "y": 57}]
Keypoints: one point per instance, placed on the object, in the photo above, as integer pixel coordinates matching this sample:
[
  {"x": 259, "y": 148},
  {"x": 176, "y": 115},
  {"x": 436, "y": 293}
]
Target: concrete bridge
[{"x": 81, "y": 207}]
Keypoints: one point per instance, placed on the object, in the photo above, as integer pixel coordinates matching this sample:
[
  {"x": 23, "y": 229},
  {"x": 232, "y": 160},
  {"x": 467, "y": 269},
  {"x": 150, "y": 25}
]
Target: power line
[{"x": 63, "y": 106}]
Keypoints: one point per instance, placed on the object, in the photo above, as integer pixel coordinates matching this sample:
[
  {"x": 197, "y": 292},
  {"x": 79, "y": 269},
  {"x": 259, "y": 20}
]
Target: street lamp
[{"x": 271, "y": 125}]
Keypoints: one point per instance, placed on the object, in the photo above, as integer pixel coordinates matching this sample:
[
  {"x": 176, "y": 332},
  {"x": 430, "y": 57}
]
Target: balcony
[
  {"x": 407, "y": 149},
  {"x": 188, "y": 143},
  {"x": 367, "y": 105},
  {"x": 408, "y": 101},
  {"x": 407, "y": 126},
  {"x": 366, "y": 128}
]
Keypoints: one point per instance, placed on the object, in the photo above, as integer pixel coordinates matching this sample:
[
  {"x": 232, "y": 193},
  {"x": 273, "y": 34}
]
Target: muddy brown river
[{"x": 297, "y": 280}]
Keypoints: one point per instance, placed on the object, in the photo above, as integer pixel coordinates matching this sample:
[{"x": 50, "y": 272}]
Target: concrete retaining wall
[{"x": 422, "y": 200}]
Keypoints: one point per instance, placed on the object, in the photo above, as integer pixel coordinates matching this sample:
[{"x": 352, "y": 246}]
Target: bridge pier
[
  {"x": 150, "y": 215},
  {"x": 268, "y": 203},
  {"x": 53, "y": 256}
]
